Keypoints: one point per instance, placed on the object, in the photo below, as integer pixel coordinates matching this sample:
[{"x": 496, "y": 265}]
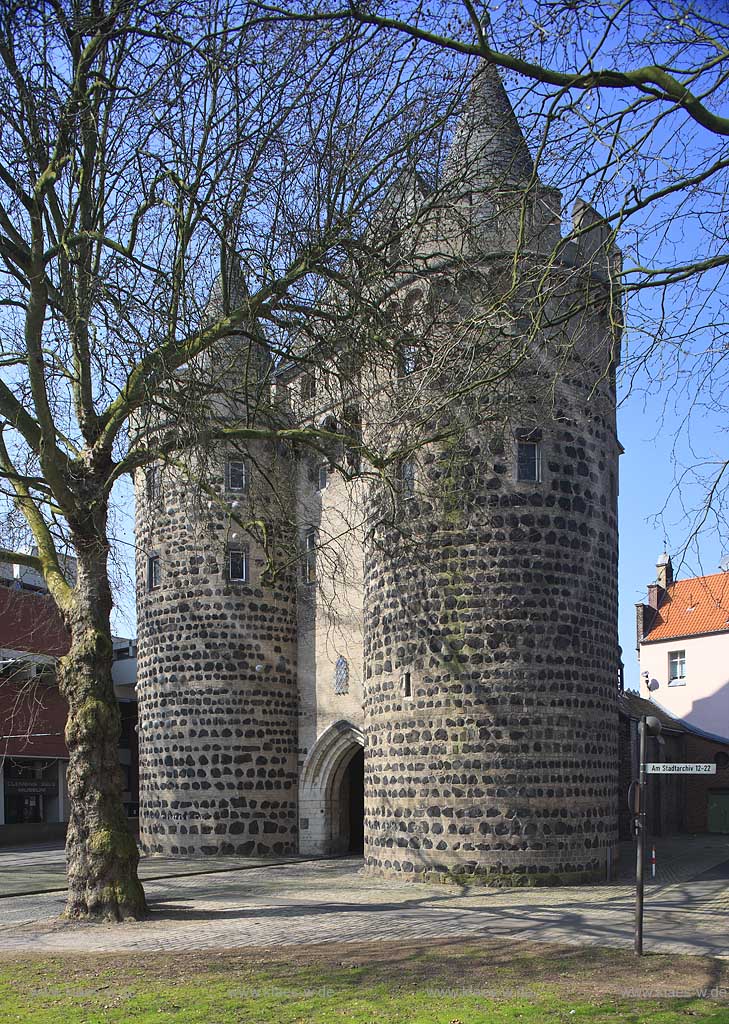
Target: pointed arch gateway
[{"x": 331, "y": 793}]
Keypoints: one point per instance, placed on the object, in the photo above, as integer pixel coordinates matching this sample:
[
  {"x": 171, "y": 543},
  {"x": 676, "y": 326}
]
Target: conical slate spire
[{"x": 488, "y": 150}]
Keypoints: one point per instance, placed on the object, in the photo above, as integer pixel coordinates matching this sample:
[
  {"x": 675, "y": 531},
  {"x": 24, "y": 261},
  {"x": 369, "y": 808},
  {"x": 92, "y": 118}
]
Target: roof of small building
[
  {"x": 632, "y": 705},
  {"x": 692, "y": 607}
]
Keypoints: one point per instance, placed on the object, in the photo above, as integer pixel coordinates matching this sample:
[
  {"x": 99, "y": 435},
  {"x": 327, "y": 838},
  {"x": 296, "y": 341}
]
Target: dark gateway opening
[{"x": 354, "y": 784}]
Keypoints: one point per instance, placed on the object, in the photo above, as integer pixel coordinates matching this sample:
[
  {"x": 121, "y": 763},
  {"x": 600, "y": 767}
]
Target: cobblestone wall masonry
[
  {"x": 502, "y": 607},
  {"x": 217, "y": 734}
]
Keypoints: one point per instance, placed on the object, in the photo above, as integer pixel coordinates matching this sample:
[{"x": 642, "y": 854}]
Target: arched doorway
[{"x": 331, "y": 793}]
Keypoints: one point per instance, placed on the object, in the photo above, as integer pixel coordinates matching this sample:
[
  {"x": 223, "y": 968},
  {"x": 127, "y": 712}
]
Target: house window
[
  {"x": 238, "y": 565},
  {"x": 152, "y": 479},
  {"x": 407, "y": 478},
  {"x": 677, "y": 668},
  {"x": 237, "y": 475},
  {"x": 407, "y": 686},
  {"x": 322, "y": 476},
  {"x": 528, "y": 461},
  {"x": 154, "y": 572},
  {"x": 341, "y": 675},
  {"x": 308, "y": 387},
  {"x": 309, "y": 566}
]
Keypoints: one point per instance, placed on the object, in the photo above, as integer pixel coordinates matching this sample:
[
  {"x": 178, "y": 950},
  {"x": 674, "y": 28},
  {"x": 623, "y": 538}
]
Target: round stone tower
[
  {"x": 491, "y": 654},
  {"x": 217, "y": 645}
]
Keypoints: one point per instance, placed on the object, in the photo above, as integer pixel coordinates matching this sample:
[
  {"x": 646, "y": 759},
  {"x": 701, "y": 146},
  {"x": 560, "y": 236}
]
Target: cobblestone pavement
[
  {"x": 42, "y": 868},
  {"x": 332, "y": 901}
]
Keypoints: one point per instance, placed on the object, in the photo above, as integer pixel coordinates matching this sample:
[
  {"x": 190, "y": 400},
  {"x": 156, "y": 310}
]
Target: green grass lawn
[{"x": 445, "y": 983}]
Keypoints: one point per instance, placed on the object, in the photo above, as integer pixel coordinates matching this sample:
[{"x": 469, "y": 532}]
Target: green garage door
[{"x": 719, "y": 812}]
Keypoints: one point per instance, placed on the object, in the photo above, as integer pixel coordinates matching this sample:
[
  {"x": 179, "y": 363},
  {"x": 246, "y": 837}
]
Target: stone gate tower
[
  {"x": 481, "y": 674},
  {"x": 491, "y": 582}
]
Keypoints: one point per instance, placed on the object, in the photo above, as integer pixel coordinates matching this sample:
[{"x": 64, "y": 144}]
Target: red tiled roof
[
  {"x": 692, "y": 607},
  {"x": 30, "y": 622}
]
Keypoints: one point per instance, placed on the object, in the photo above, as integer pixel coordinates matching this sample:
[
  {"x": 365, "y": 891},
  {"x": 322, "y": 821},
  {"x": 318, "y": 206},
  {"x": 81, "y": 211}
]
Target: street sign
[{"x": 664, "y": 768}]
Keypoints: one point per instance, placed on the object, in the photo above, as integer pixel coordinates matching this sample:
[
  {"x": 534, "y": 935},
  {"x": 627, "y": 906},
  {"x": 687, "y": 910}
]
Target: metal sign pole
[{"x": 640, "y": 845}]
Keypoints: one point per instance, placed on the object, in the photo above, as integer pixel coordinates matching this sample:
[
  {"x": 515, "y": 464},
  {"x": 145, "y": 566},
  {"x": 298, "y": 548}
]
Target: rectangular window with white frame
[
  {"x": 238, "y": 565},
  {"x": 528, "y": 460},
  {"x": 677, "y": 668},
  {"x": 236, "y": 475}
]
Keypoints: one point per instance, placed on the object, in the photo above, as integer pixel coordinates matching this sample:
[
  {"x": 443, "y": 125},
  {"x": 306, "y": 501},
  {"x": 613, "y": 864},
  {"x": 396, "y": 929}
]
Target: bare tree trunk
[{"x": 101, "y": 853}]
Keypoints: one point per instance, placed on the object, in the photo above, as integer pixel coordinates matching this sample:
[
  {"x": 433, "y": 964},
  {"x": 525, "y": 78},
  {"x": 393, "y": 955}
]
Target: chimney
[
  {"x": 664, "y": 571},
  {"x": 645, "y": 616}
]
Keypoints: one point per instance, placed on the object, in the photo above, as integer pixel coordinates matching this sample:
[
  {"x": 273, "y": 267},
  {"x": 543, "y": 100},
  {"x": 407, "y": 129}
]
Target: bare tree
[{"x": 150, "y": 150}]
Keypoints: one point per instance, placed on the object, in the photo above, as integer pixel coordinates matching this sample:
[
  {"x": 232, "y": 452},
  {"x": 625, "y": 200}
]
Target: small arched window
[{"x": 341, "y": 675}]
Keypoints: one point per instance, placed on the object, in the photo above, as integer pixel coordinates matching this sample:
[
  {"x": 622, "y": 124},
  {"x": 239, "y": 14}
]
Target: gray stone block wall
[{"x": 218, "y": 699}]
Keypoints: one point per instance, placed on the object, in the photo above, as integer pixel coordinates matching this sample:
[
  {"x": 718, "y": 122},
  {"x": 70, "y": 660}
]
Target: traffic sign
[{"x": 665, "y": 768}]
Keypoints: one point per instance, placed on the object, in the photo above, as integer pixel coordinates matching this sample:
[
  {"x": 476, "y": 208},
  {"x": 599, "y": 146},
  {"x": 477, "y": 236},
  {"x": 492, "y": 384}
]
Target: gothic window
[
  {"x": 341, "y": 675},
  {"x": 153, "y": 483},
  {"x": 238, "y": 565},
  {"x": 236, "y": 472},
  {"x": 154, "y": 572},
  {"x": 309, "y": 566}
]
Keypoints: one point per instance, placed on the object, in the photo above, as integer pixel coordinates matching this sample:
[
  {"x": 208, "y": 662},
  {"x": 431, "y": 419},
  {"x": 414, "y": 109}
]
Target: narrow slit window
[
  {"x": 154, "y": 572},
  {"x": 309, "y": 566},
  {"x": 322, "y": 477},
  {"x": 407, "y": 478},
  {"x": 238, "y": 565},
  {"x": 407, "y": 686},
  {"x": 308, "y": 387},
  {"x": 152, "y": 479}
]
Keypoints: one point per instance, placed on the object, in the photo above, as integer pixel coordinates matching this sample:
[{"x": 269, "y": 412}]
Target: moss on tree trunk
[{"x": 101, "y": 853}]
